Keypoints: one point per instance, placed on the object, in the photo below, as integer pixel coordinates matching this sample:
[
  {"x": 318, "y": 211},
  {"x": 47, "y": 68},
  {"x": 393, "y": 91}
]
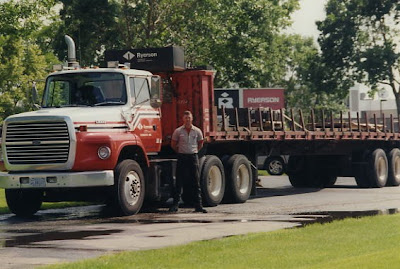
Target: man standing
[{"x": 187, "y": 140}]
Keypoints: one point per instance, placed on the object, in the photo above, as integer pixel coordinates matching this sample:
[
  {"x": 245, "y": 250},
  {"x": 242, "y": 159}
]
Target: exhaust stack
[{"x": 71, "y": 52}]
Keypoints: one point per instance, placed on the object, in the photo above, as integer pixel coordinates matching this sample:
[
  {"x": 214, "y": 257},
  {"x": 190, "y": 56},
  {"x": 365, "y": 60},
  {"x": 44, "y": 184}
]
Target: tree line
[{"x": 243, "y": 40}]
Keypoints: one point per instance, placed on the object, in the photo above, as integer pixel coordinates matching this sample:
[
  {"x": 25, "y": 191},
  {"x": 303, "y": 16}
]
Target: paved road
[{"x": 75, "y": 233}]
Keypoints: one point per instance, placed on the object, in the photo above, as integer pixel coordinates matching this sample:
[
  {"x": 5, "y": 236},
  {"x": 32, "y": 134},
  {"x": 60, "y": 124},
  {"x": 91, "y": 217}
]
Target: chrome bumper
[{"x": 56, "y": 179}]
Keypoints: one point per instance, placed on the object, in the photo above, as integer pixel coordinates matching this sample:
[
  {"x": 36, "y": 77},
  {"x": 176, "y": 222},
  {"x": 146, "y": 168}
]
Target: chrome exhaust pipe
[{"x": 71, "y": 52}]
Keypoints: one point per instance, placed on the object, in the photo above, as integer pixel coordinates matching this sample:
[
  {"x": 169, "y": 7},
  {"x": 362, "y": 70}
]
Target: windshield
[{"x": 85, "y": 89}]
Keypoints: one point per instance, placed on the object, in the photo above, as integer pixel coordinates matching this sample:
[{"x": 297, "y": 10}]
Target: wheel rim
[
  {"x": 243, "y": 179},
  {"x": 275, "y": 167},
  {"x": 382, "y": 169},
  {"x": 396, "y": 168},
  {"x": 214, "y": 181},
  {"x": 132, "y": 188}
]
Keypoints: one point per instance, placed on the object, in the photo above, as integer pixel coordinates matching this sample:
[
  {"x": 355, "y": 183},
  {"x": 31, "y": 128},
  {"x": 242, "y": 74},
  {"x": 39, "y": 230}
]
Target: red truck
[{"x": 104, "y": 133}]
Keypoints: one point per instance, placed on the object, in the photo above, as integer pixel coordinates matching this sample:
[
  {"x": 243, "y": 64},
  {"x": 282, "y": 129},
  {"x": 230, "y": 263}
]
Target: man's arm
[
  {"x": 174, "y": 145},
  {"x": 200, "y": 141},
  {"x": 200, "y": 144}
]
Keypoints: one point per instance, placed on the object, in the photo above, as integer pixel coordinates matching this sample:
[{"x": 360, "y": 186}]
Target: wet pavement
[{"x": 62, "y": 235}]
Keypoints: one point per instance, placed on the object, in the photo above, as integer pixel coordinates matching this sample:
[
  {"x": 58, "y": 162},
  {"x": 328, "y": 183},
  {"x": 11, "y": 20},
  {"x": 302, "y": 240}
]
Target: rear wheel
[
  {"x": 24, "y": 203},
  {"x": 129, "y": 188},
  {"x": 238, "y": 178},
  {"x": 212, "y": 179},
  {"x": 374, "y": 173},
  {"x": 394, "y": 167}
]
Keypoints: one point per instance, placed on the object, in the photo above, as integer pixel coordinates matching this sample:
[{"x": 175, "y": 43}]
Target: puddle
[
  {"x": 40, "y": 237},
  {"x": 326, "y": 217}
]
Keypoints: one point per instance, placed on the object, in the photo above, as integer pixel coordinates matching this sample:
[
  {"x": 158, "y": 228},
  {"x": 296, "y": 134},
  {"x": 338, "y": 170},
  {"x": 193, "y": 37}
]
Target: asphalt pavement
[{"x": 72, "y": 234}]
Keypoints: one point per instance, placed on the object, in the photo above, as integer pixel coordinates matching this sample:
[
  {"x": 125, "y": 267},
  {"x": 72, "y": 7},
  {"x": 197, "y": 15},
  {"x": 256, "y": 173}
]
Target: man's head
[{"x": 187, "y": 118}]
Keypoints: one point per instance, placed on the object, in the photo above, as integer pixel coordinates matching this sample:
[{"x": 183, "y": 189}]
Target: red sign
[{"x": 273, "y": 98}]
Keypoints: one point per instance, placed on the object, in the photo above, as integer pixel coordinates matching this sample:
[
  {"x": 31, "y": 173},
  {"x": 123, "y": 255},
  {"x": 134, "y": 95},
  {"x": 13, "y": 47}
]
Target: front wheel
[
  {"x": 24, "y": 203},
  {"x": 129, "y": 188}
]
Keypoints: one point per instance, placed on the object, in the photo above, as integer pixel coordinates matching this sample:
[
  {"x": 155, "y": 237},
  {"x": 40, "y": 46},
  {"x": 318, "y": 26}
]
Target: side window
[
  {"x": 59, "y": 93},
  {"x": 140, "y": 90}
]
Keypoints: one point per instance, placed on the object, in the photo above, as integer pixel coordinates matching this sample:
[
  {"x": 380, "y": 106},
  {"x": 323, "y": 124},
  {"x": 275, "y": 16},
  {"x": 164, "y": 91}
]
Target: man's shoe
[
  {"x": 173, "y": 208},
  {"x": 200, "y": 209}
]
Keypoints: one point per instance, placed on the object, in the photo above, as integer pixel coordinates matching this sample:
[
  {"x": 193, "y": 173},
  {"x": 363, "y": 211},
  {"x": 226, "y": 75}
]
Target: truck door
[{"x": 146, "y": 120}]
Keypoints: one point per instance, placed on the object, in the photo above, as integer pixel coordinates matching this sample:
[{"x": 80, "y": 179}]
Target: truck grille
[{"x": 37, "y": 142}]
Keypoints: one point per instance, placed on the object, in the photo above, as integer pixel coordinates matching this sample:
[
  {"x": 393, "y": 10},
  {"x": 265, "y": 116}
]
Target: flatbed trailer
[{"x": 321, "y": 146}]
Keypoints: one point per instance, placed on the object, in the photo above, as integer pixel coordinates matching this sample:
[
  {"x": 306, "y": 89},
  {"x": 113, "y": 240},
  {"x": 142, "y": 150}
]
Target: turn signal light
[{"x": 83, "y": 128}]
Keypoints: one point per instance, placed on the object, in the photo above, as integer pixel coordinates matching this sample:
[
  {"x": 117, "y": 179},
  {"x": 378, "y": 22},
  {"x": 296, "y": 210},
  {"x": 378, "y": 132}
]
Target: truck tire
[
  {"x": 297, "y": 171},
  {"x": 129, "y": 189},
  {"x": 394, "y": 168},
  {"x": 238, "y": 179},
  {"x": 374, "y": 173},
  {"x": 212, "y": 180},
  {"x": 379, "y": 168},
  {"x": 274, "y": 165},
  {"x": 329, "y": 181},
  {"x": 24, "y": 203},
  {"x": 310, "y": 172}
]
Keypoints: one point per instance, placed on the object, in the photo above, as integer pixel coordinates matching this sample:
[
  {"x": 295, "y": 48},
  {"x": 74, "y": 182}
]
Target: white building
[{"x": 382, "y": 102}]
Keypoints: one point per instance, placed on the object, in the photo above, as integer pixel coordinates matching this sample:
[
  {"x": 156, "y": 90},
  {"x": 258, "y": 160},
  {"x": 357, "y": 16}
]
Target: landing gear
[{"x": 310, "y": 172}]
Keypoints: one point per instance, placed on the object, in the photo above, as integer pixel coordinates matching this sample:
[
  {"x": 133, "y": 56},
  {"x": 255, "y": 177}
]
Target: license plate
[{"x": 37, "y": 182}]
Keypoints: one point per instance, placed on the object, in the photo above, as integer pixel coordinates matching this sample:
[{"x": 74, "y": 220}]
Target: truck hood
[{"x": 80, "y": 114}]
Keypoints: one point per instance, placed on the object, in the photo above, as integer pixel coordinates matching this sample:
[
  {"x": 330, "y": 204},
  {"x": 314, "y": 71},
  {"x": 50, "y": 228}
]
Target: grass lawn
[
  {"x": 263, "y": 173},
  {"x": 4, "y": 208},
  {"x": 371, "y": 242}
]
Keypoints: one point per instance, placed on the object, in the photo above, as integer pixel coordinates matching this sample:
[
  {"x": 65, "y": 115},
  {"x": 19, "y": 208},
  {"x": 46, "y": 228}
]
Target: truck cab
[{"x": 89, "y": 119}]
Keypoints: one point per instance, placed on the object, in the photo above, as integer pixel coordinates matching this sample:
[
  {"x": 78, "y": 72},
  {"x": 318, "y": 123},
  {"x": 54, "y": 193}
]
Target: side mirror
[
  {"x": 155, "y": 92},
  {"x": 35, "y": 95}
]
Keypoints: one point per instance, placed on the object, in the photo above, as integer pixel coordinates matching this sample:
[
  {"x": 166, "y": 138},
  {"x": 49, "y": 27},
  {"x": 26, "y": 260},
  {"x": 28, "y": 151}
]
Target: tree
[
  {"x": 21, "y": 60},
  {"x": 303, "y": 83},
  {"x": 359, "y": 42},
  {"x": 92, "y": 25},
  {"x": 235, "y": 37}
]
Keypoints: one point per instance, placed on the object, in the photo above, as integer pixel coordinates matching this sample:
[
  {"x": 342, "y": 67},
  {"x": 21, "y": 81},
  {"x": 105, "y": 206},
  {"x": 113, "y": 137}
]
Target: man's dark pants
[{"x": 187, "y": 169}]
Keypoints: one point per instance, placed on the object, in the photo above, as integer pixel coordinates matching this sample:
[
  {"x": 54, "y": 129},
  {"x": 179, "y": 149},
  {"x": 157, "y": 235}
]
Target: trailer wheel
[
  {"x": 379, "y": 168},
  {"x": 394, "y": 168},
  {"x": 275, "y": 165},
  {"x": 375, "y": 172},
  {"x": 212, "y": 180},
  {"x": 24, "y": 203},
  {"x": 129, "y": 187},
  {"x": 238, "y": 179}
]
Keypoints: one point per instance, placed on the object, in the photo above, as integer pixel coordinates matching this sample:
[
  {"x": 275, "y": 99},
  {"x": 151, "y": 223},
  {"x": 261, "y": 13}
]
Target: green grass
[
  {"x": 371, "y": 242},
  {"x": 263, "y": 173},
  {"x": 4, "y": 208}
]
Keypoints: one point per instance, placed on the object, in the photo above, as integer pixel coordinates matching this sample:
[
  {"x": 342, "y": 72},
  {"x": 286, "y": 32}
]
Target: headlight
[{"x": 104, "y": 152}]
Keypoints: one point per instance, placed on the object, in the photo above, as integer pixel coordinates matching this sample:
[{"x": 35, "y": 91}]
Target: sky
[{"x": 304, "y": 19}]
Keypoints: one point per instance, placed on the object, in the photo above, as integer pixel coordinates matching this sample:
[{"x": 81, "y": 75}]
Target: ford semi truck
[{"x": 105, "y": 133}]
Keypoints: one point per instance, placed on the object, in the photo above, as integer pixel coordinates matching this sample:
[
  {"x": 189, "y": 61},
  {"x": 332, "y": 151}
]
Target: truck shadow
[{"x": 263, "y": 192}]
